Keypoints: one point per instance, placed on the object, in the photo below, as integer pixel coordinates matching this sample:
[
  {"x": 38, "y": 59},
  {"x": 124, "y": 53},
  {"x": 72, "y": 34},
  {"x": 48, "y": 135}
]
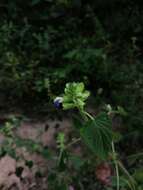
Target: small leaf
[
  {"x": 79, "y": 87},
  {"x": 122, "y": 111},
  {"x": 86, "y": 94},
  {"x": 68, "y": 106}
]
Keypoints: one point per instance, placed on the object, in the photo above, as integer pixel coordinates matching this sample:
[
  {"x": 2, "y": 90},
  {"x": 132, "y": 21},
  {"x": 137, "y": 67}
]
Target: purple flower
[{"x": 58, "y": 102}]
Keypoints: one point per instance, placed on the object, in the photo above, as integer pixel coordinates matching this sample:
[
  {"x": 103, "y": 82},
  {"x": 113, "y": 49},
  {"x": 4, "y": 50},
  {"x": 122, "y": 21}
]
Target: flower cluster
[{"x": 74, "y": 96}]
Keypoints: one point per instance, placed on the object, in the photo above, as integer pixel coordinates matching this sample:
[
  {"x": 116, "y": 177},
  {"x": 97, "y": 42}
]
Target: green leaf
[
  {"x": 79, "y": 87},
  {"x": 85, "y": 95},
  {"x": 68, "y": 106},
  {"x": 123, "y": 181},
  {"x": 97, "y": 135},
  {"x": 122, "y": 111},
  {"x": 138, "y": 175}
]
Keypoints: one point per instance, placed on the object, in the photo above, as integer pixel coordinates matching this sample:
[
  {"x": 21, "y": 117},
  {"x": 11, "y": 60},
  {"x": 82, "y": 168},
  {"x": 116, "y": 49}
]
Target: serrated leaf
[
  {"x": 79, "y": 87},
  {"x": 97, "y": 135}
]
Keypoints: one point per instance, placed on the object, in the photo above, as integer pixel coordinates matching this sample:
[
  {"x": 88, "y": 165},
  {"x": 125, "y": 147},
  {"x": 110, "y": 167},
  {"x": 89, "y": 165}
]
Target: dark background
[{"x": 46, "y": 43}]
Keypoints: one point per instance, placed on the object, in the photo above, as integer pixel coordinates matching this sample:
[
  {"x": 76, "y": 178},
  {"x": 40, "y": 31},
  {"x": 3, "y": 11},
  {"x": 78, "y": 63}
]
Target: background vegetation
[{"x": 46, "y": 43}]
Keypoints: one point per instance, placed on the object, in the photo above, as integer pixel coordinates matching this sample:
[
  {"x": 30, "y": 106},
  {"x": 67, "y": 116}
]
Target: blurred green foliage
[{"x": 46, "y": 43}]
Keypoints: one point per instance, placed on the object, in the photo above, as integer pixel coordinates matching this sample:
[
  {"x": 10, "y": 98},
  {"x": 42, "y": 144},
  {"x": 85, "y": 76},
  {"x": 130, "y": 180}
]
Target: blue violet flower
[{"x": 58, "y": 102}]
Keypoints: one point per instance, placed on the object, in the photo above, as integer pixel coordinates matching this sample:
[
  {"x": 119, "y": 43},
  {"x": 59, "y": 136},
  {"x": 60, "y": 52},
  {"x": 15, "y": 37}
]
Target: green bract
[{"x": 75, "y": 96}]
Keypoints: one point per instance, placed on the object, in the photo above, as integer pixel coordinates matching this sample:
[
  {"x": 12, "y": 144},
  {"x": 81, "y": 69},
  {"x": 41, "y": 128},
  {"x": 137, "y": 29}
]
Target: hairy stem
[
  {"x": 133, "y": 182},
  {"x": 73, "y": 142},
  {"x": 116, "y": 166},
  {"x": 88, "y": 115}
]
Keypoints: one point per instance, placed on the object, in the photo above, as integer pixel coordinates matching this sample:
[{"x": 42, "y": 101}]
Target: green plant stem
[
  {"x": 66, "y": 147},
  {"x": 116, "y": 165},
  {"x": 127, "y": 173},
  {"x": 88, "y": 115},
  {"x": 135, "y": 155},
  {"x": 73, "y": 142},
  {"x": 60, "y": 156}
]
